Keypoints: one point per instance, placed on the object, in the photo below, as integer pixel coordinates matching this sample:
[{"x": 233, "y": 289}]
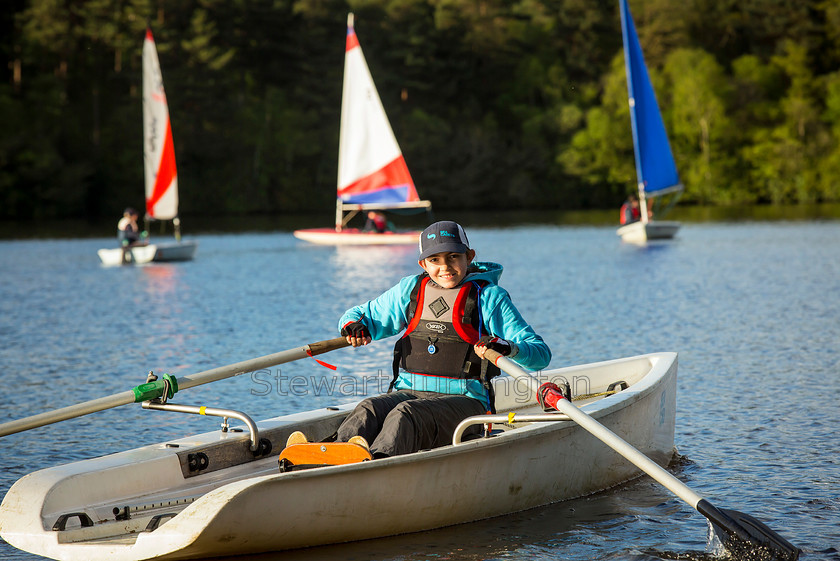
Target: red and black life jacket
[
  {"x": 629, "y": 214},
  {"x": 443, "y": 326}
]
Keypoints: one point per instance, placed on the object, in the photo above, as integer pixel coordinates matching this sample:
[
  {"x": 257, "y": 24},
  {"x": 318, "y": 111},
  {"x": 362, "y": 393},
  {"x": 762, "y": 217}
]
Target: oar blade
[{"x": 745, "y": 537}]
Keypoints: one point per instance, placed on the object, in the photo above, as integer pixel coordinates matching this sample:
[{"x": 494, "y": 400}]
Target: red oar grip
[{"x": 549, "y": 394}]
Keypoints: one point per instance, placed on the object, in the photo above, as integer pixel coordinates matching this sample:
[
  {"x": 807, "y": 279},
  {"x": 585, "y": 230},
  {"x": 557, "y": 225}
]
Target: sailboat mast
[
  {"x": 339, "y": 215},
  {"x": 643, "y": 212},
  {"x": 339, "y": 203}
]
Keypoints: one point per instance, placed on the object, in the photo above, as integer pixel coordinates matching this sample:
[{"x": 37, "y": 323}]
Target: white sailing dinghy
[
  {"x": 372, "y": 173},
  {"x": 655, "y": 167},
  {"x": 134, "y": 255},
  {"x": 160, "y": 171}
]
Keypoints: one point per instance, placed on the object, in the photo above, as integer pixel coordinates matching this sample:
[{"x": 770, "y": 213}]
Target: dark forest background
[{"x": 495, "y": 103}]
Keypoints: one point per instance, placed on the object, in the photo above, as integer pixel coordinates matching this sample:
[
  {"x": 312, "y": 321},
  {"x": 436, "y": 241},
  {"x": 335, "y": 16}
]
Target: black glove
[
  {"x": 494, "y": 343},
  {"x": 355, "y": 329}
]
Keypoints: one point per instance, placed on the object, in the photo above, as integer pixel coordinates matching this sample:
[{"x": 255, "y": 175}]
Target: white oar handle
[{"x": 602, "y": 433}]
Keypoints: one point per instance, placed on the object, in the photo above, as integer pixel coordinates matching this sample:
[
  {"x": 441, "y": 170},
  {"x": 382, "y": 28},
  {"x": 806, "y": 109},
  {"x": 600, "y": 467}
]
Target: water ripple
[{"x": 751, "y": 308}]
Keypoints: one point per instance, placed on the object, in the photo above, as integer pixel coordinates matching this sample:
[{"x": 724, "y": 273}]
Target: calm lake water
[{"x": 752, "y": 308}]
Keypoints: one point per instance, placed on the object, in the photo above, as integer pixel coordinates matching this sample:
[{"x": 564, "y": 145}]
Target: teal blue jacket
[{"x": 385, "y": 316}]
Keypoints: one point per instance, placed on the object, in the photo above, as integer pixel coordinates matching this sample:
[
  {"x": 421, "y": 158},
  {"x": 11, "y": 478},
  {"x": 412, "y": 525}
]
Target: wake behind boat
[
  {"x": 655, "y": 167},
  {"x": 160, "y": 171},
  {"x": 222, "y": 493},
  {"x": 372, "y": 173}
]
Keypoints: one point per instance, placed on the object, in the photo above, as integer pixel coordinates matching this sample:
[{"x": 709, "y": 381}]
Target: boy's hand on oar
[
  {"x": 356, "y": 333},
  {"x": 494, "y": 344}
]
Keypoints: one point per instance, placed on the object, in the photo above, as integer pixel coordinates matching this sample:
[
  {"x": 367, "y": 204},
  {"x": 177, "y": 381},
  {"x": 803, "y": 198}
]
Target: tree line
[{"x": 496, "y": 104}]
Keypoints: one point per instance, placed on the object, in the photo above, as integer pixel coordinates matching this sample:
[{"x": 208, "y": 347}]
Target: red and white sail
[
  {"x": 371, "y": 167},
  {"x": 158, "y": 151}
]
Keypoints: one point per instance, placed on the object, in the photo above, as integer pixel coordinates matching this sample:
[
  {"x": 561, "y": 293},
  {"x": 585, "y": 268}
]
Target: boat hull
[
  {"x": 353, "y": 236},
  {"x": 254, "y": 508},
  {"x": 639, "y": 232},
  {"x": 141, "y": 254},
  {"x": 176, "y": 251},
  {"x": 136, "y": 255}
]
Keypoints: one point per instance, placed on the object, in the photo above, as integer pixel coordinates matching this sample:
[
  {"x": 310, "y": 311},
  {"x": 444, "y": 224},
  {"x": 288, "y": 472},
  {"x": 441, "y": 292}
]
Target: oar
[
  {"x": 740, "y": 533},
  {"x": 152, "y": 390}
]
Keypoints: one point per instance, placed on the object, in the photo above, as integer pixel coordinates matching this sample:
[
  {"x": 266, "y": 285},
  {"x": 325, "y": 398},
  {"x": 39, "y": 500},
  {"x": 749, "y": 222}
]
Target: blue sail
[{"x": 655, "y": 167}]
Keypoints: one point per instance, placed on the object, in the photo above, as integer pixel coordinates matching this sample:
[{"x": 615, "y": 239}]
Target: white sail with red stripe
[
  {"x": 372, "y": 173},
  {"x": 371, "y": 167},
  {"x": 158, "y": 151}
]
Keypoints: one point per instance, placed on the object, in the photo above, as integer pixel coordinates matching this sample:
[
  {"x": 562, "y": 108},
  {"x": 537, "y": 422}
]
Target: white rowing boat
[{"x": 211, "y": 495}]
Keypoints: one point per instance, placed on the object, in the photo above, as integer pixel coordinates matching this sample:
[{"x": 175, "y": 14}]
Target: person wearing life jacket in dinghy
[
  {"x": 631, "y": 212},
  {"x": 128, "y": 233},
  {"x": 449, "y": 315}
]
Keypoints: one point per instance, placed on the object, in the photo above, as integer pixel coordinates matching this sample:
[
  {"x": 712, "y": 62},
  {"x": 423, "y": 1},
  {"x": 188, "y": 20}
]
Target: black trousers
[{"x": 407, "y": 421}]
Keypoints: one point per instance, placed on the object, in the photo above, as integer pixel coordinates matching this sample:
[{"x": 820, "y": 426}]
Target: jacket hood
[{"x": 486, "y": 271}]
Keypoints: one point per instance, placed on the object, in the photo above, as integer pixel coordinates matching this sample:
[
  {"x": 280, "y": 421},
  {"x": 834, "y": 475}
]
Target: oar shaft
[
  {"x": 189, "y": 381},
  {"x": 250, "y": 365},
  {"x": 629, "y": 452},
  {"x": 603, "y": 433},
  {"x": 69, "y": 412}
]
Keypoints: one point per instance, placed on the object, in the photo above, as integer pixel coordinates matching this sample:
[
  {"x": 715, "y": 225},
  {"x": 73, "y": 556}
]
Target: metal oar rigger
[
  {"x": 155, "y": 389},
  {"x": 741, "y": 534}
]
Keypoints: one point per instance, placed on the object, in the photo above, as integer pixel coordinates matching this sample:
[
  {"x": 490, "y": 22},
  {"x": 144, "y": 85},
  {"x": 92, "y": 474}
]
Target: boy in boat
[
  {"x": 128, "y": 232},
  {"x": 451, "y": 314},
  {"x": 630, "y": 211},
  {"x": 376, "y": 222}
]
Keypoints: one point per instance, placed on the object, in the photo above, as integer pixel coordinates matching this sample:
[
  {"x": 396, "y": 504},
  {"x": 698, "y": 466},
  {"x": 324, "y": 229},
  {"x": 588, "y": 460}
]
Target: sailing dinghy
[
  {"x": 656, "y": 170},
  {"x": 160, "y": 171},
  {"x": 223, "y": 492},
  {"x": 372, "y": 173}
]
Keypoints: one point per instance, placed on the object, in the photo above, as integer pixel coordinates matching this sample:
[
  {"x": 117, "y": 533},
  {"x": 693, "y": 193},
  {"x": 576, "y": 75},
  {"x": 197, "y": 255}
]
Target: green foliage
[
  {"x": 700, "y": 129},
  {"x": 495, "y": 103}
]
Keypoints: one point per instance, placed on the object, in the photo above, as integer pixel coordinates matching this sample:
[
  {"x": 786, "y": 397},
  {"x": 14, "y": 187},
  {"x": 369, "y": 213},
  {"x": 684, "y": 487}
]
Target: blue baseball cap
[{"x": 443, "y": 237}]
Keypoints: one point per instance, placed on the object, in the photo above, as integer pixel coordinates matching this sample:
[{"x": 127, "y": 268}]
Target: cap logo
[{"x": 441, "y": 237}]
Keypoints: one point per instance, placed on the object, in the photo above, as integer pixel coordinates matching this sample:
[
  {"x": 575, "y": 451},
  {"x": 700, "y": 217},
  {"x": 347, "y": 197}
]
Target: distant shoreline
[{"x": 196, "y": 225}]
